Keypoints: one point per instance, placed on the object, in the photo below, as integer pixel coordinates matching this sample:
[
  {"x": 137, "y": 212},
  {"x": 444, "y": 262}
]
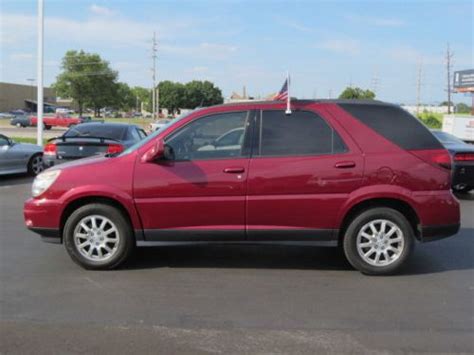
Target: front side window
[
  {"x": 216, "y": 136},
  {"x": 301, "y": 133}
]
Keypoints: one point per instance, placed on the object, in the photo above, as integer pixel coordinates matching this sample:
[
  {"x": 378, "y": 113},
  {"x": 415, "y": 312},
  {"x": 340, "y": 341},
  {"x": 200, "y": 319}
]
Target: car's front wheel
[
  {"x": 98, "y": 236},
  {"x": 378, "y": 241}
]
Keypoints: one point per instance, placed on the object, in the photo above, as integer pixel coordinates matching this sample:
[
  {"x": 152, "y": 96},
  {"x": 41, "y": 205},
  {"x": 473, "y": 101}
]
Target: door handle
[
  {"x": 345, "y": 164},
  {"x": 234, "y": 170}
]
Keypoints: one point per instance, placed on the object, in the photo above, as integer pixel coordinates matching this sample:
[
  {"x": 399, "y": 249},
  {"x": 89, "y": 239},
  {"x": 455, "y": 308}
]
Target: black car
[
  {"x": 20, "y": 121},
  {"x": 463, "y": 161},
  {"x": 88, "y": 139}
]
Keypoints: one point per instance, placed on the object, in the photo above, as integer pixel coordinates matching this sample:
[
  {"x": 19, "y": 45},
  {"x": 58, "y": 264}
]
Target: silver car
[{"x": 19, "y": 157}]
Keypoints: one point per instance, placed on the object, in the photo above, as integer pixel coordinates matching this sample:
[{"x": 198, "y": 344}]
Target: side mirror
[{"x": 155, "y": 152}]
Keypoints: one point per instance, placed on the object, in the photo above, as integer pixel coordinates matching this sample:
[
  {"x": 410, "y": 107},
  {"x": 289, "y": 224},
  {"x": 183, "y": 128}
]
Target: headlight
[{"x": 43, "y": 182}]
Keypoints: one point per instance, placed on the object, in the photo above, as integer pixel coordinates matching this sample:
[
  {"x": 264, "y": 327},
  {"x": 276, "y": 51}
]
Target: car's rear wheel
[
  {"x": 98, "y": 237},
  {"x": 35, "y": 164},
  {"x": 378, "y": 241}
]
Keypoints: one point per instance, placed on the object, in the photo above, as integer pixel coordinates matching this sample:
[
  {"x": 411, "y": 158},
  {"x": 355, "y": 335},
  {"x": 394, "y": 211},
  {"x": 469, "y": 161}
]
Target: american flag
[{"x": 283, "y": 93}]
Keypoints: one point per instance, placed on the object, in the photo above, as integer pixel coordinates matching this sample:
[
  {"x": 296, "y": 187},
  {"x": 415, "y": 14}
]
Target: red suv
[{"x": 364, "y": 175}]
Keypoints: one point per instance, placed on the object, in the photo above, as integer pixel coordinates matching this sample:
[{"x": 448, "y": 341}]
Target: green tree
[
  {"x": 125, "y": 97},
  {"x": 462, "y": 108},
  {"x": 144, "y": 97},
  {"x": 357, "y": 93},
  {"x": 172, "y": 95},
  {"x": 201, "y": 93},
  {"x": 87, "y": 79}
]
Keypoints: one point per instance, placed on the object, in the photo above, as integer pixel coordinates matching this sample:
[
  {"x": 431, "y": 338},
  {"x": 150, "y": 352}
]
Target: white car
[{"x": 154, "y": 126}]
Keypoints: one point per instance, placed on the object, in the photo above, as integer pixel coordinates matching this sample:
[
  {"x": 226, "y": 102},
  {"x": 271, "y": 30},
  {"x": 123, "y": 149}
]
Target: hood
[{"x": 81, "y": 162}]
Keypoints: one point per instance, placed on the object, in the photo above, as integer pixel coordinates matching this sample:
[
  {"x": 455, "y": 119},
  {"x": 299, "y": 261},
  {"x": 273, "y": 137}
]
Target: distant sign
[{"x": 464, "y": 80}]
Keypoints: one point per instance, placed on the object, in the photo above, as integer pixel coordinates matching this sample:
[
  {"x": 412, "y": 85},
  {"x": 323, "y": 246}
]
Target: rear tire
[
  {"x": 378, "y": 241},
  {"x": 47, "y": 127},
  {"x": 98, "y": 237},
  {"x": 35, "y": 164}
]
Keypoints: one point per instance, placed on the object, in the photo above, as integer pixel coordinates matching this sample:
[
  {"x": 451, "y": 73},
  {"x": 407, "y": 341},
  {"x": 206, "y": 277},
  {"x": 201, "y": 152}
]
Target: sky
[{"x": 325, "y": 45}]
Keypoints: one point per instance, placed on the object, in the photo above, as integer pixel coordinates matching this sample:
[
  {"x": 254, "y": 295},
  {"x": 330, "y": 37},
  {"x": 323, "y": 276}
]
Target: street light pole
[{"x": 39, "y": 101}]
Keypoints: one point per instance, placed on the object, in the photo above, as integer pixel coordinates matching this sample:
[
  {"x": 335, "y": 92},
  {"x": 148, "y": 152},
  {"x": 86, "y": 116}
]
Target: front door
[
  {"x": 300, "y": 174},
  {"x": 199, "y": 195}
]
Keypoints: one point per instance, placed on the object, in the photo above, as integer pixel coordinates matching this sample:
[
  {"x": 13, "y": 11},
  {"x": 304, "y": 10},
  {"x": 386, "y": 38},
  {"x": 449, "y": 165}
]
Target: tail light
[
  {"x": 114, "y": 148},
  {"x": 50, "y": 149},
  {"x": 439, "y": 157},
  {"x": 462, "y": 157}
]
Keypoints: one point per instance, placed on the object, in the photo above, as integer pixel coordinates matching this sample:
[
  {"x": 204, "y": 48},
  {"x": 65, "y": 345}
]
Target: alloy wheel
[
  {"x": 380, "y": 242},
  {"x": 96, "y": 237}
]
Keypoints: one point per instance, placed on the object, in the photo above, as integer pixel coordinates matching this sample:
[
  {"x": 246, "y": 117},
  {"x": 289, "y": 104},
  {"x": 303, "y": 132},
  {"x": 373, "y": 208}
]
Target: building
[{"x": 18, "y": 96}]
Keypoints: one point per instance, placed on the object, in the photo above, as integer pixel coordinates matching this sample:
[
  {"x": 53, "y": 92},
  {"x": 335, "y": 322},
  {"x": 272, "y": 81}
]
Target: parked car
[
  {"x": 20, "y": 121},
  {"x": 463, "y": 161},
  {"x": 159, "y": 124},
  {"x": 363, "y": 175},
  {"x": 58, "y": 120},
  {"x": 88, "y": 139},
  {"x": 18, "y": 158}
]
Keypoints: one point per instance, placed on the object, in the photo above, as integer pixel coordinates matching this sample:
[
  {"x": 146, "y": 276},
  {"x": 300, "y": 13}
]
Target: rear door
[{"x": 300, "y": 173}]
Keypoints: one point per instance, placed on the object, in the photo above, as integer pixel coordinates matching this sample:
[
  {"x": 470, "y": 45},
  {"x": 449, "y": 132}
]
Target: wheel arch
[
  {"x": 85, "y": 200},
  {"x": 399, "y": 205}
]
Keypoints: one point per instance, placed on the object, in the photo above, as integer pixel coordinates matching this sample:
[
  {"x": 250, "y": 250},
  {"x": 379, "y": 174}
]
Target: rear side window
[
  {"x": 301, "y": 133},
  {"x": 395, "y": 124}
]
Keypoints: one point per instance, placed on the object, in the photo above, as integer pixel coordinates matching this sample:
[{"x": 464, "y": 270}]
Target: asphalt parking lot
[{"x": 227, "y": 299}]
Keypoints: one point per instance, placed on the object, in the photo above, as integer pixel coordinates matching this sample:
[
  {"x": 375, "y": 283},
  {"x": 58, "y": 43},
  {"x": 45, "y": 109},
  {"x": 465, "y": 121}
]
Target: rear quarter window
[{"x": 395, "y": 124}]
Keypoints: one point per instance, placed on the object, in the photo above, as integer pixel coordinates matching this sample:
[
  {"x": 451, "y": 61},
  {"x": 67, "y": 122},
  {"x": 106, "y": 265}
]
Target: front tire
[
  {"x": 98, "y": 237},
  {"x": 378, "y": 241}
]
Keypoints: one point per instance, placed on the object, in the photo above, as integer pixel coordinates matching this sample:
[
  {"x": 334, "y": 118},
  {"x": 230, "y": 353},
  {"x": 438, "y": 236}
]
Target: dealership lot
[{"x": 229, "y": 299}]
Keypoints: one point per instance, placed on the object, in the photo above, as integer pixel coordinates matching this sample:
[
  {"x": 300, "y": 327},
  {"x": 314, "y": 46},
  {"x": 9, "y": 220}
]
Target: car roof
[{"x": 307, "y": 102}]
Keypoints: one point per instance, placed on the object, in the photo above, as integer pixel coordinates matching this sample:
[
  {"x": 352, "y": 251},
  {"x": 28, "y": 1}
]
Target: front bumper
[
  {"x": 43, "y": 217},
  {"x": 48, "y": 235}
]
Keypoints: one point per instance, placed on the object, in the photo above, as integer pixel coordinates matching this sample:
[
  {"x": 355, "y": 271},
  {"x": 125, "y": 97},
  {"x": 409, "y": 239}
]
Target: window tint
[
  {"x": 301, "y": 133},
  {"x": 395, "y": 124},
  {"x": 97, "y": 130},
  {"x": 202, "y": 138},
  {"x": 134, "y": 134},
  {"x": 3, "y": 141}
]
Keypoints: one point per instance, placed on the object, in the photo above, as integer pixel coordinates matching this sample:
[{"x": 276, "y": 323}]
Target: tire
[
  {"x": 121, "y": 243},
  {"x": 47, "y": 127},
  {"x": 18, "y": 125},
  {"x": 35, "y": 165},
  {"x": 393, "y": 248}
]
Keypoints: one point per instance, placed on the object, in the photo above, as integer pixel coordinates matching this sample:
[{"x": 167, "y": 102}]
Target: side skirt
[{"x": 165, "y": 237}]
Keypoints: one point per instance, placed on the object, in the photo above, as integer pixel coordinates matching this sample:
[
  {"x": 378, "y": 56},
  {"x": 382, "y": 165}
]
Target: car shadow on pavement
[
  {"x": 15, "y": 179},
  {"x": 240, "y": 256},
  {"x": 455, "y": 253},
  {"x": 466, "y": 196}
]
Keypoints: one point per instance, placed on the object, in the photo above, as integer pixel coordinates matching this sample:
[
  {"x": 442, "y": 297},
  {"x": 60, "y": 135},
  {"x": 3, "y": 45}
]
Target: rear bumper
[
  {"x": 463, "y": 175},
  {"x": 432, "y": 233}
]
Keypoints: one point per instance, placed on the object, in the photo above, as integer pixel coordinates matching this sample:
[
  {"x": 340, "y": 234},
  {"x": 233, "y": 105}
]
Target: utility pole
[
  {"x": 448, "y": 58},
  {"x": 39, "y": 82},
  {"x": 418, "y": 86},
  {"x": 375, "y": 82},
  {"x": 153, "y": 71}
]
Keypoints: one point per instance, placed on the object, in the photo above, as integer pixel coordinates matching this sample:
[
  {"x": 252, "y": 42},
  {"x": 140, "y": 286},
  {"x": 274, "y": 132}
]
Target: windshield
[
  {"x": 155, "y": 133},
  {"x": 447, "y": 138}
]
